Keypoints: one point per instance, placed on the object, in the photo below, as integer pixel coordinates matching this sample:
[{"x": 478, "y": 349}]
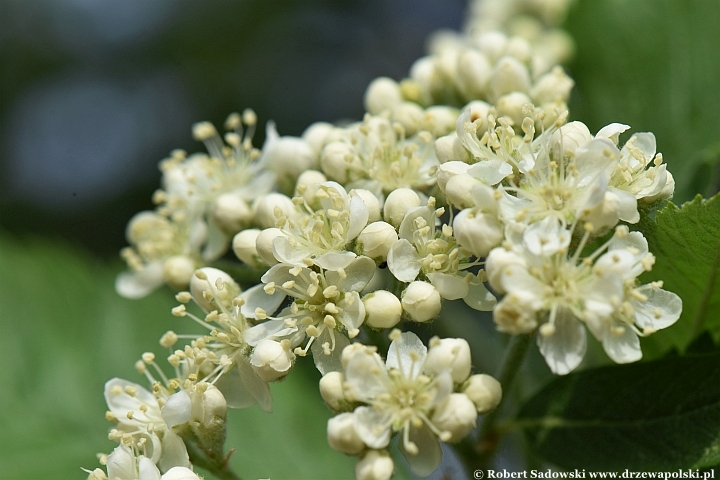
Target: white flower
[
  {"x": 377, "y": 156},
  {"x": 322, "y": 235},
  {"x": 325, "y": 304},
  {"x": 224, "y": 351},
  {"x": 124, "y": 464},
  {"x": 400, "y": 395},
  {"x": 433, "y": 254}
]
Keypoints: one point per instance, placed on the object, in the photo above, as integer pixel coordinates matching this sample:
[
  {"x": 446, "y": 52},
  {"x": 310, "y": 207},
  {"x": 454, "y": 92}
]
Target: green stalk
[{"x": 220, "y": 468}]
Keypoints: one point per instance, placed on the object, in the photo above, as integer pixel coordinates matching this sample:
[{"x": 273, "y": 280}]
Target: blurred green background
[{"x": 94, "y": 94}]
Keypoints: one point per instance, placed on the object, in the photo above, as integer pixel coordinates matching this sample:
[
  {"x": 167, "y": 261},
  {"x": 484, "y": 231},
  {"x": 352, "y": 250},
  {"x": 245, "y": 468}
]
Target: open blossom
[
  {"x": 432, "y": 254},
  {"x": 560, "y": 294},
  {"x": 224, "y": 352},
  {"x": 376, "y": 155},
  {"x": 204, "y": 201},
  {"x": 325, "y": 304},
  {"x": 412, "y": 393},
  {"x": 321, "y": 235},
  {"x": 124, "y": 464}
]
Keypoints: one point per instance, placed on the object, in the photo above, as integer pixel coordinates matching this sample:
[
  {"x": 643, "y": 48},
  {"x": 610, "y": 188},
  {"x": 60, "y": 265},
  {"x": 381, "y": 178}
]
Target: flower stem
[
  {"x": 479, "y": 454},
  {"x": 220, "y": 468}
]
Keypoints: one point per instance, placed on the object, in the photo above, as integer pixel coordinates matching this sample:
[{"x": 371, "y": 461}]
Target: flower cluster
[
  {"x": 464, "y": 181},
  {"x": 424, "y": 396}
]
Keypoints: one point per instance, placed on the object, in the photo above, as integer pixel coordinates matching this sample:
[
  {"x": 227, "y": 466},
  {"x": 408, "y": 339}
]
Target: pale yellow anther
[
  {"x": 183, "y": 297},
  {"x": 179, "y": 311}
]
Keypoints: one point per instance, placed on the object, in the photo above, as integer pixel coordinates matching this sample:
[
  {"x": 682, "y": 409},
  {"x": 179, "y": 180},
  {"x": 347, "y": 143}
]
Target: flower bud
[
  {"x": 452, "y": 354},
  {"x": 509, "y": 75},
  {"x": 410, "y": 116},
  {"x": 288, "y": 157},
  {"x": 211, "y": 287},
  {"x": 371, "y": 202},
  {"x": 457, "y": 415},
  {"x": 331, "y": 390},
  {"x": 449, "y": 148},
  {"x": 484, "y": 391},
  {"x": 493, "y": 45},
  {"x": 382, "y": 309},
  {"x": 478, "y": 115},
  {"x": 271, "y": 360},
  {"x": 374, "y": 465},
  {"x": 376, "y": 239},
  {"x": 316, "y": 134},
  {"x": 477, "y": 232},
  {"x": 568, "y": 138},
  {"x": 495, "y": 264},
  {"x": 519, "y": 48},
  {"x": 448, "y": 170},
  {"x": 511, "y": 105},
  {"x": 342, "y": 435},
  {"x": 421, "y": 301},
  {"x": 422, "y": 71},
  {"x": 264, "y": 245},
  {"x": 382, "y": 94},
  {"x": 335, "y": 158},
  {"x": 307, "y": 186},
  {"x": 439, "y": 120},
  {"x": 266, "y": 206},
  {"x": 209, "y": 405},
  {"x": 244, "y": 247},
  {"x": 458, "y": 190},
  {"x": 665, "y": 194},
  {"x": 398, "y": 203},
  {"x": 230, "y": 212},
  {"x": 474, "y": 72},
  {"x": 552, "y": 86},
  {"x": 178, "y": 270}
]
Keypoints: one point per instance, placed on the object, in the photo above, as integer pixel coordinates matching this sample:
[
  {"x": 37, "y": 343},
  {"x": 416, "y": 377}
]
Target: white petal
[
  {"x": 284, "y": 252},
  {"x": 612, "y": 131},
  {"x": 329, "y": 363},
  {"x": 180, "y": 473},
  {"x": 272, "y": 329},
  {"x": 623, "y": 348},
  {"x": 591, "y": 160},
  {"x": 138, "y": 284},
  {"x": 174, "y": 453},
  {"x": 660, "y": 310},
  {"x": 403, "y": 261},
  {"x": 122, "y": 403},
  {"x": 407, "y": 226},
  {"x": 359, "y": 216},
  {"x": 177, "y": 409},
  {"x": 565, "y": 348},
  {"x": 355, "y": 276},
  {"x": 353, "y": 314},
  {"x": 646, "y": 142},
  {"x": 217, "y": 244},
  {"x": 479, "y": 297},
  {"x": 366, "y": 375},
  {"x": 334, "y": 260},
  {"x": 372, "y": 426},
  {"x": 450, "y": 287},
  {"x": 407, "y": 354},
  {"x": 546, "y": 237},
  {"x": 242, "y": 388},
  {"x": 256, "y": 297},
  {"x": 490, "y": 172},
  {"x": 628, "y": 205},
  {"x": 528, "y": 289},
  {"x": 148, "y": 470},
  {"x": 121, "y": 463},
  {"x": 429, "y": 453}
]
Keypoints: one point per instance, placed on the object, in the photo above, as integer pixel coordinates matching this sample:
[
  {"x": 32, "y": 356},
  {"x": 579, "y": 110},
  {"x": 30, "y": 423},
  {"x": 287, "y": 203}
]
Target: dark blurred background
[{"x": 94, "y": 93}]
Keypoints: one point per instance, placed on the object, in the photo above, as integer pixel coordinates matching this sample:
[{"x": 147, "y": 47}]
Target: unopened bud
[
  {"x": 398, "y": 203},
  {"x": 374, "y": 465},
  {"x": 484, "y": 391},
  {"x": 421, "y": 301},
  {"x": 376, "y": 239},
  {"x": 342, "y": 435},
  {"x": 382, "y": 309}
]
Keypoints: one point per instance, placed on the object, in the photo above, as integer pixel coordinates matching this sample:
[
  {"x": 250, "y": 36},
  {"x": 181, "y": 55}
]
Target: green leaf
[
  {"x": 686, "y": 244},
  {"x": 66, "y": 332},
  {"x": 659, "y": 415},
  {"x": 653, "y": 65}
]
